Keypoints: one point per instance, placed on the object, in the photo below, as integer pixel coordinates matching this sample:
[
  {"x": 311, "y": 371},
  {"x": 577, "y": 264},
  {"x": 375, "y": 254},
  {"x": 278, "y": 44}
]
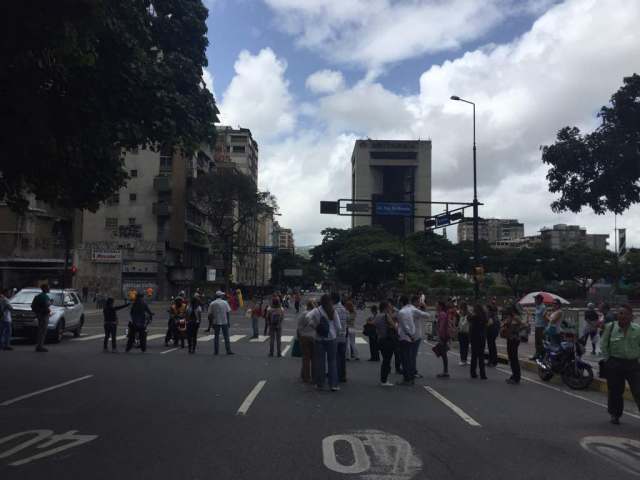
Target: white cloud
[
  {"x": 207, "y": 78},
  {"x": 375, "y": 32},
  {"x": 258, "y": 96},
  {"x": 526, "y": 90},
  {"x": 325, "y": 81}
]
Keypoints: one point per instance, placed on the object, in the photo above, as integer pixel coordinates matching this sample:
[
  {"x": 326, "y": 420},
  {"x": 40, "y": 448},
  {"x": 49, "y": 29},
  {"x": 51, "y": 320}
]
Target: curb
[{"x": 598, "y": 384}]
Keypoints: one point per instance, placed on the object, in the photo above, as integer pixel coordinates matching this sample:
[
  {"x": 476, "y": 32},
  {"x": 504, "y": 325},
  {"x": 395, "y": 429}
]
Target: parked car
[{"x": 67, "y": 314}]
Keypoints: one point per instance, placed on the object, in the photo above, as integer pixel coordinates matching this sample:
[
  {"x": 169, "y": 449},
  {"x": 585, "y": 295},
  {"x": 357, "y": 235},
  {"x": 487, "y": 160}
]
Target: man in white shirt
[
  {"x": 406, "y": 334},
  {"x": 218, "y": 314},
  {"x": 419, "y": 316}
]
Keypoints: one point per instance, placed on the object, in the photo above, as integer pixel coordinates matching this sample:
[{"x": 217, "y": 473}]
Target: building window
[
  {"x": 111, "y": 224},
  {"x": 166, "y": 159},
  {"x": 114, "y": 200},
  {"x": 133, "y": 197},
  {"x": 132, "y": 220},
  {"x": 134, "y": 173},
  {"x": 238, "y": 149}
]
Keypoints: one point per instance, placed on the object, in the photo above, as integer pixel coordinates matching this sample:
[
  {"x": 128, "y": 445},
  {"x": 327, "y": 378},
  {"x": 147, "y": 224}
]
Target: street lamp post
[{"x": 476, "y": 245}]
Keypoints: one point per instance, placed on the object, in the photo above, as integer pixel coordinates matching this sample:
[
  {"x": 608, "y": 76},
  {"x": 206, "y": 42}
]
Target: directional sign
[
  {"x": 442, "y": 220},
  {"x": 399, "y": 209},
  {"x": 268, "y": 249},
  {"x": 357, "y": 207}
]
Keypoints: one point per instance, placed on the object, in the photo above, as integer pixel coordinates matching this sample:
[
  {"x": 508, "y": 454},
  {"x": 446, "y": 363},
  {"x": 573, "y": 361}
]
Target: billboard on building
[{"x": 106, "y": 256}]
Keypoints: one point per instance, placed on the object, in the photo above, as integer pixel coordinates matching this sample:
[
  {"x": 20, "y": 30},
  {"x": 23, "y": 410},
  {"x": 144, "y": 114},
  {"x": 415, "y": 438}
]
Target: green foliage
[
  {"x": 631, "y": 266},
  {"x": 82, "y": 81},
  {"x": 600, "y": 169}
]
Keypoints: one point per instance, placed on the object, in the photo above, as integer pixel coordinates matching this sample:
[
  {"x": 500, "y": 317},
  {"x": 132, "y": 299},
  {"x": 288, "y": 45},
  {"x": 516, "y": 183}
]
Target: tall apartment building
[
  {"x": 563, "y": 236},
  {"x": 152, "y": 232},
  {"x": 492, "y": 230},
  {"x": 283, "y": 238},
  {"x": 387, "y": 176},
  {"x": 236, "y": 146},
  {"x": 34, "y": 245},
  {"x": 265, "y": 239}
]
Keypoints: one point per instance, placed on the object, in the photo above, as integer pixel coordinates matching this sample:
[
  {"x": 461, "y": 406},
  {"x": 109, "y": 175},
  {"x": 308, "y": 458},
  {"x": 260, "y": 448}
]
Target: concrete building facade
[
  {"x": 391, "y": 173},
  {"x": 492, "y": 230},
  {"x": 283, "y": 238},
  {"x": 563, "y": 236}
]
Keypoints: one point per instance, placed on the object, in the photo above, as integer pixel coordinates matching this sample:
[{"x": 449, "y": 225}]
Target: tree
[
  {"x": 600, "y": 169},
  {"x": 232, "y": 204},
  {"x": 585, "y": 266},
  {"x": 82, "y": 81}
]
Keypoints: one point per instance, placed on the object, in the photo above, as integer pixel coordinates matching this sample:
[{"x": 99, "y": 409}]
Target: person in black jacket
[
  {"x": 478, "y": 335},
  {"x": 111, "y": 322},
  {"x": 140, "y": 317}
]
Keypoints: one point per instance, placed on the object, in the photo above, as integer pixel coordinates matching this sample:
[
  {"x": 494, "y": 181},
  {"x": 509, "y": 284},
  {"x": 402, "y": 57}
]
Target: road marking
[
  {"x": 261, "y": 338},
  {"x": 361, "y": 341},
  {"x": 89, "y": 337},
  {"x": 121, "y": 337},
  {"x": 457, "y": 410},
  {"x": 250, "y": 398},
  {"x": 286, "y": 338},
  {"x": 69, "y": 439},
  {"x": 157, "y": 335},
  {"x": 566, "y": 392},
  {"x": 235, "y": 338},
  {"x": 44, "y": 390},
  {"x": 169, "y": 351},
  {"x": 205, "y": 338},
  {"x": 624, "y": 453},
  {"x": 376, "y": 455},
  {"x": 286, "y": 350}
]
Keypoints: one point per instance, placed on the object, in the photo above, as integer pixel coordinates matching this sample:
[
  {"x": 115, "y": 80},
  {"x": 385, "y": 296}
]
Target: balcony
[
  {"x": 161, "y": 209},
  {"x": 162, "y": 184}
]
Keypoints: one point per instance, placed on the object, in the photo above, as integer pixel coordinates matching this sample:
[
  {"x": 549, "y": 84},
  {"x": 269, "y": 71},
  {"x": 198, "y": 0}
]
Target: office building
[
  {"x": 387, "y": 177},
  {"x": 563, "y": 236},
  {"x": 492, "y": 230},
  {"x": 283, "y": 238}
]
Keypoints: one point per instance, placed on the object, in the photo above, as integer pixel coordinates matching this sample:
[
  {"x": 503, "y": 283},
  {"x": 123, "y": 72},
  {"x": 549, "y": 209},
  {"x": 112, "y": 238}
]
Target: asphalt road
[{"x": 176, "y": 416}]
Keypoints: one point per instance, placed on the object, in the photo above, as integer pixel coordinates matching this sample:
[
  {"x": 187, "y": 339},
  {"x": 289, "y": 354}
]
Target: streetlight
[{"x": 476, "y": 246}]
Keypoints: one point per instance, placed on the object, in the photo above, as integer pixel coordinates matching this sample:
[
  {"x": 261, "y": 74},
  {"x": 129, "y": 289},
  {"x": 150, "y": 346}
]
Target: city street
[{"x": 169, "y": 415}]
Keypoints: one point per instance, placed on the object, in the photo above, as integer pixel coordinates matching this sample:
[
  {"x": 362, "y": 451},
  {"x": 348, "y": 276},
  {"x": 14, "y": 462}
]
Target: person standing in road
[
  {"x": 463, "y": 332},
  {"x": 5, "y": 320},
  {"x": 511, "y": 330},
  {"x": 540, "y": 323},
  {"x": 591, "y": 320},
  {"x": 109, "y": 313},
  {"x": 306, "y": 336},
  {"x": 442, "y": 315},
  {"x": 193, "y": 318},
  {"x": 621, "y": 349},
  {"x": 275, "y": 319},
  {"x": 324, "y": 319},
  {"x": 478, "y": 334},
  {"x": 370, "y": 332},
  {"x": 296, "y": 301},
  {"x": 140, "y": 317},
  {"x": 419, "y": 316},
  {"x": 352, "y": 353},
  {"x": 219, "y": 311},
  {"x": 387, "y": 334},
  {"x": 40, "y": 306},
  {"x": 406, "y": 334},
  {"x": 256, "y": 313},
  {"x": 176, "y": 316},
  {"x": 341, "y": 337},
  {"x": 493, "y": 330}
]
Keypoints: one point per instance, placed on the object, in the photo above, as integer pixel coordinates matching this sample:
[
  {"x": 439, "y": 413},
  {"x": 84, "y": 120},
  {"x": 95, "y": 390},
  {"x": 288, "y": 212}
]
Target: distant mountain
[{"x": 304, "y": 251}]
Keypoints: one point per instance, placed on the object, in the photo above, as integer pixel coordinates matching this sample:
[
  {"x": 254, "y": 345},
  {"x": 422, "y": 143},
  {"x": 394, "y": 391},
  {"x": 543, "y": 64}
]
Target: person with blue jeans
[
  {"x": 325, "y": 345},
  {"x": 5, "y": 321},
  {"x": 219, "y": 314}
]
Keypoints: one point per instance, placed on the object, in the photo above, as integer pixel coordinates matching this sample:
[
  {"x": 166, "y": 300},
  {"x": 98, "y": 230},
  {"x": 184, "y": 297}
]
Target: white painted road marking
[
  {"x": 250, "y": 398},
  {"x": 156, "y": 335},
  {"x": 169, "y": 351},
  {"x": 206, "y": 338},
  {"x": 261, "y": 338},
  {"x": 361, "y": 341},
  {"x": 89, "y": 337},
  {"x": 121, "y": 337},
  {"x": 286, "y": 350},
  {"x": 44, "y": 390},
  {"x": 376, "y": 455},
  {"x": 69, "y": 439},
  {"x": 457, "y": 410},
  {"x": 235, "y": 338},
  {"x": 286, "y": 338}
]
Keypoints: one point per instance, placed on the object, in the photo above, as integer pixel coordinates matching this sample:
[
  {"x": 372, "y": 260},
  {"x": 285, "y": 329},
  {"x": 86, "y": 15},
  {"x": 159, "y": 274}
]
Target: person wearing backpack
[
  {"x": 193, "y": 318},
  {"x": 40, "y": 306},
  {"x": 324, "y": 319},
  {"x": 275, "y": 316},
  {"x": 306, "y": 336},
  {"x": 387, "y": 335}
]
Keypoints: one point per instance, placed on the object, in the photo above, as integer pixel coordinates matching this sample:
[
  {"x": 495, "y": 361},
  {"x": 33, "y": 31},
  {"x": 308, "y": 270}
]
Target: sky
[{"x": 309, "y": 77}]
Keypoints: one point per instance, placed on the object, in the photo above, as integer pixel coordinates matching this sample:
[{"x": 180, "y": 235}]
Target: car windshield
[{"x": 27, "y": 297}]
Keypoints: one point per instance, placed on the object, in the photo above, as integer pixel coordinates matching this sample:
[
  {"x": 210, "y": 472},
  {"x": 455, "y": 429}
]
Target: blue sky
[{"x": 308, "y": 77}]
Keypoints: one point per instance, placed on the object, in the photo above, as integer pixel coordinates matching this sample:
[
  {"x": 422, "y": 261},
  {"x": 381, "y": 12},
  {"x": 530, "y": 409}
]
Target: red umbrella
[{"x": 547, "y": 298}]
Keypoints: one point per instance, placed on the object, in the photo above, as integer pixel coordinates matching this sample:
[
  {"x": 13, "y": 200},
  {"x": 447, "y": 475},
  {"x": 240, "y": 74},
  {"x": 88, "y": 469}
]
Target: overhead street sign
[
  {"x": 357, "y": 207},
  {"x": 442, "y": 220},
  {"x": 268, "y": 249},
  {"x": 399, "y": 209}
]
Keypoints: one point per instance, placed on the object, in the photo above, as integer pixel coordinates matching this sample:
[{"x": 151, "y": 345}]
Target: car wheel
[
  {"x": 56, "y": 336},
  {"x": 78, "y": 330}
]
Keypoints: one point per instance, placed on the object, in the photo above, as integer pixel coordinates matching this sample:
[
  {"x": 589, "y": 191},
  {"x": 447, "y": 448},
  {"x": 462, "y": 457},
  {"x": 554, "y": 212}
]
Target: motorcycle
[{"x": 565, "y": 360}]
